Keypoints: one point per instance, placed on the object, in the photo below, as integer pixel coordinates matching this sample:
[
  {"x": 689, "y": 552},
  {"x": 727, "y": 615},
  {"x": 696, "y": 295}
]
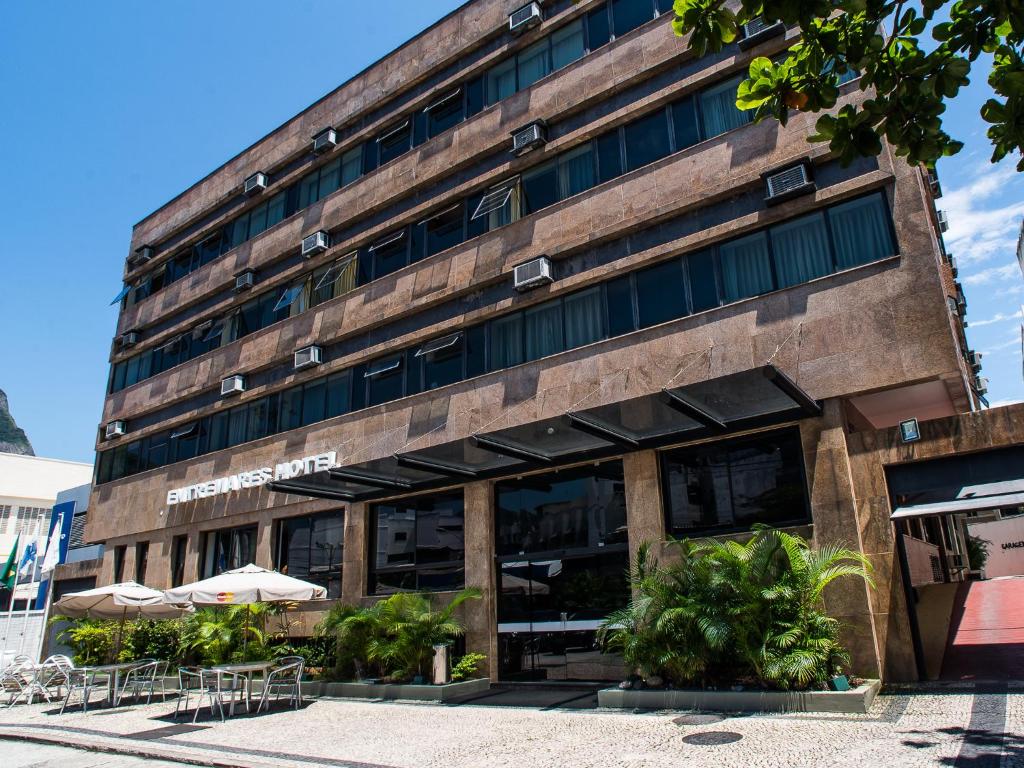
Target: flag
[
  {"x": 52, "y": 557},
  {"x": 10, "y": 573},
  {"x": 28, "y": 560}
]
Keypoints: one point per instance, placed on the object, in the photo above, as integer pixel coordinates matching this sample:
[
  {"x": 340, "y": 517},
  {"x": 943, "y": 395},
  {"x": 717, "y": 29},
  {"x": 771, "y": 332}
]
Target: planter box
[
  {"x": 391, "y": 692},
  {"x": 855, "y": 701}
]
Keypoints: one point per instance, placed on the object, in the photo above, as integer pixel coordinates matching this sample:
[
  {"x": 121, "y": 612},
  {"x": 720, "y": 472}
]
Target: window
[
  {"x": 660, "y": 293},
  {"x": 441, "y": 361},
  {"x": 718, "y": 108},
  {"x": 179, "y": 552},
  {"x": 334, "y": 280},
  {"x": 533, "y": 63},
  {"x": 419, "y": 545},
  {"x": 733, "y": 485},
  {"x": 646, "y": 140},
  {"x": 700, "y": 269},
  {"x": 584, "y": 316},
  {"x": 499, "y": 206},
  {"x": 228, "y": 549},
  {"x": 746, "y": 268},
  {"x": 442, "y": 231},
  {"x": 501, "y": 81},
  {"x": 542, "y": 330},
  {"x": 801, "y": 250},
  {"x": 5, "y": 517},
  {"x": 506, "y": 342},
  {"x": 384, "y": 381},
  {"x": 311, "y": 548},
  {"x": 567, "y": 44},
  {"x": 862, "y": 231},
  {"x": 627, "y": 15},
  {"x": 395, "y": 142},
  {"x": 141, "y": 561},
  {"x": 119, "y": 553},
  {"x": 389, "y": 255},
  {"x": 444, "y": 113}
]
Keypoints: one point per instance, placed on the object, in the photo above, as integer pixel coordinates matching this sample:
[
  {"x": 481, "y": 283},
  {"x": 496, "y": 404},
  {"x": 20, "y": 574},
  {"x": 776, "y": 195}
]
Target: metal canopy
[
  {"x": 974, "y": 504},
  {"x": 758, "y": 397}
]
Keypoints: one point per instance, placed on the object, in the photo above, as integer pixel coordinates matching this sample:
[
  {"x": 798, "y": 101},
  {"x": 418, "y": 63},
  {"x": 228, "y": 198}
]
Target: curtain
[
  {"x": 718, "y": 108},
  {"x": 543, "y": 331},
  {"x": 351, "y": 165},
  {"x": 745, "y": 268},
  {"x": 575, "y": 171},
  {"x": 533, "y": 64},
  {"x": 501, "y": 81},
  {"x": 583, "y": 318},
  {"x": 801, "y": 250},
  {"x": 861, "y": 231},
  {"x": 506, "y": 342},
  {"x": 567, "y": 44}
]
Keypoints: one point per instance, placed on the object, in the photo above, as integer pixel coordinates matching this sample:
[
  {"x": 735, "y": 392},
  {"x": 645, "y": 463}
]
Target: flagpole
[
  {"x": 46, "y": 612},
  {"x": 49, "y": 570},
  {"x": 28, "y": 602},
  {"x": 10, "y": 607}
]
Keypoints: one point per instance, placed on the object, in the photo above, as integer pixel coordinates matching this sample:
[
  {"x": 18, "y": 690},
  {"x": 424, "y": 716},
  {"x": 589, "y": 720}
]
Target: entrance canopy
[
  {"x": 971, "y": 498},
  {"x": 744, "y": 400}
]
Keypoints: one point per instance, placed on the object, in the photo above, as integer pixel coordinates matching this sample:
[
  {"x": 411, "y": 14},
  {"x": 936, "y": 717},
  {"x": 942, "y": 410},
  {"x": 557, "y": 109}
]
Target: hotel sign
[{"x": 253, "y": 478}]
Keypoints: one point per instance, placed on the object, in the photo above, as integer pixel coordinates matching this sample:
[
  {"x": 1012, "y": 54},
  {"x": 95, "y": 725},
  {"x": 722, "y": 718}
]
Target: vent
[
  {"x": 943, "y": 220},
  {"x": 532, "y": 136},
  {"x": 244, "y": 281},
  {"x": 524, "y": 18},
  {"x": 325, "y": 141},
  {"x": 308, "y": 357},
  {"x": 757, "y": 30},
  {"x": 129, "y": 339},
  {"x": 255, "y": 184},
  {"x": 316, "y": 243},
  {"x": 533, "y": 274},
  {"x": 232, "y": 385},
  {"x": 115, "y": 429},
  {"x": 974, "y": 359},
  {"x": 788, "y": 183},
  {"x": 141, "y": 255}
]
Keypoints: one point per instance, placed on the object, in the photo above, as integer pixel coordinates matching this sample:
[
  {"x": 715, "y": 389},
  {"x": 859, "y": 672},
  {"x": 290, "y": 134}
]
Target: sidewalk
[{"x": 937, "y": 727}]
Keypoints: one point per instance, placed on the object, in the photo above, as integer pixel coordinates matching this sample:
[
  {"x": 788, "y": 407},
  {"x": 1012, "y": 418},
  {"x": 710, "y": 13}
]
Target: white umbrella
[
  {"x": 244, "y": 586},
  {"x": 118, "y": 601}
]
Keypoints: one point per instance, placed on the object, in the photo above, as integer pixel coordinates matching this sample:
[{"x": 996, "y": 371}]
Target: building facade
[{"x": 327, "y": 361}]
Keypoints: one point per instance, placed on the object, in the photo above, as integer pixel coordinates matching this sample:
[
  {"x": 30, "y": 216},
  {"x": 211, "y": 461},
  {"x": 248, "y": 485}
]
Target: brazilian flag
[{"x": 10, "y": 572}]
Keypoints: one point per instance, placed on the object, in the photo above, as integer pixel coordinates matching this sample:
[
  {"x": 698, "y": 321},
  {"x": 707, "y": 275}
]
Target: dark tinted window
[
  {"x": 630, "y": 14},
  {"x": 646, "y": 140},
  {"x": 228, "y": 549},
  {"x": 620, "y": 306},
  {"x": 660, "y": 294},
  {"x": 311, "y": 548},
  {"x": 684, "y": 123},
  {"x": 443, "y": 231},
  {"x": 444, "y": 113},
  {"x": 389, "y": 255},
  {"x": 395, "y": 142},
  {"x": 598, "y": 29},
  {"x": 384, "y": 382},
  {"x": 703, "y": 291}
]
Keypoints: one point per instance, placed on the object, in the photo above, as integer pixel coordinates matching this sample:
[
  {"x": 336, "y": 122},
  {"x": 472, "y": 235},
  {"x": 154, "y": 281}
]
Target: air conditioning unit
[
  {"x": 309, "y": 356},
  {"x": 232, "y": 385},
  {"x": 255, "y": 184},
  {"x": 141, "y": 255},
  {"x": 115, "y": 429},
  {"x": 757, "y": 29},
  {"x": 954, "y": 267},
  {"x": 316, "y": 243},
  {"x": 244, "y": 281},
  {"x": 533, "y": 274},
  {"x": 933, "y": 184},
  {"x": 129, "y": 339},
  {"x": 325, "y": 141},
  {"x": 982, "y": 386},
  {"x": 974, "y": 359},
  {"x": 784, "y": 184},
  {"x": 943, "y": 220},
  {"x": 529, "y": 137},
  {"x": 524, "y": 18}
]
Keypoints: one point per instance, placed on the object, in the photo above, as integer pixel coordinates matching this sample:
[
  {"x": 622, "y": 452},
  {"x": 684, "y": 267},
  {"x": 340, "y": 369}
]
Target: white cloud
[
  {"x": 999, "y": 317},
  {"x": 977, "y": 231},
  {"x": 993, "y": 274},
  {"x": 1005, "y": 401}
]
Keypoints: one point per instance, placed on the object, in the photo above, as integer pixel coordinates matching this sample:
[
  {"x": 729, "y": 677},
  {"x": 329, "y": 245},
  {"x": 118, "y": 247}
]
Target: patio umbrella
[{"x": 245, "y": 586}]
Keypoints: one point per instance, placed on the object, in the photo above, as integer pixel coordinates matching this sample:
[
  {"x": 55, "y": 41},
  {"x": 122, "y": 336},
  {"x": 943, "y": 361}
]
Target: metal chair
[
  {"x": 215, "y": 685},
  {"x": 189, "y": 681},
  {"x": 54, "y": 673},
  {"x": 144, "y": 677},
  {"x": 83, "y": 681},
  {"x": 286, "y": 678},
  {"x": 283, "y": 661},
  {"x": 16, "y": 677}
]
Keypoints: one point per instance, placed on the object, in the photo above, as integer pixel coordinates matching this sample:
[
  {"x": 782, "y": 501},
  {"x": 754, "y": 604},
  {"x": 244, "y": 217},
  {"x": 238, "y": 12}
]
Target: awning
[
  {"x": 739, "y": 401},
  {"x": 971, "y": 498}
]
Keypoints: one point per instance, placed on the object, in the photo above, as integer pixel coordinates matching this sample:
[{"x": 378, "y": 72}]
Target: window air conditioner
[
  {"x": 953, "y": 266},
  {"x": 315, "y": 243},
  {"x": 255, "y": 184},
  {"x": 757, "y": 29},
  {"x": 533, "y": 273},
  {"x": 325, "y": 141},
  {"x": 245, "y": 280},
  {"x": 943, "y": 220},
  {"x": 974, "y": 358},
  {"x": 982, "y": 386},
  {"x": 115, "y": 429},
  {"x": 129, "y": 339},
  {"x": 232, "y": 385},
  {"x": 141, "y": 255},
  {"x": 787, "y": 183},
  {"x": 308, "y": 357},
  {"x": 523, "y": 18},
  {"x": 933, "y": 183},
  {"x": 530, "y": 137}
]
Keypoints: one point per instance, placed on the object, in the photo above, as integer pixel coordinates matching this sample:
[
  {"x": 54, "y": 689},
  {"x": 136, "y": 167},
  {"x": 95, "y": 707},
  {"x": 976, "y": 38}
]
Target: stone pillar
[
  {"x": 193, "y": 557},
  {"x": 158, "y": 570},
  {"x": 265, "y": 544},
  {"x": 356, "y": 558},
  {"x": 481, "y": 616},
  {"x": 645, "y": 511},
  {"x": 834, "y": 515},
  {"x": 128, "y": 570}
]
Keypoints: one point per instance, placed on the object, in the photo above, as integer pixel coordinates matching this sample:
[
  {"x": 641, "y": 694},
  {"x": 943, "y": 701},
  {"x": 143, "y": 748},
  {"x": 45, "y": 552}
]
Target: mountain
[{"x": 12, "y": 438}]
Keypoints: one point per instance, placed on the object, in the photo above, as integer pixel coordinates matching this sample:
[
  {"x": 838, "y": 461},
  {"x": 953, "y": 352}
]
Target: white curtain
[{"x": 506, "y": 342}]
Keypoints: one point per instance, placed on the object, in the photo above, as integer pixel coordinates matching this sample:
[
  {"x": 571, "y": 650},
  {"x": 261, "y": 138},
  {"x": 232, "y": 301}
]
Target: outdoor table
[
  {"x": 113, "y": 673},
  {"x": 247, "y": 670}
]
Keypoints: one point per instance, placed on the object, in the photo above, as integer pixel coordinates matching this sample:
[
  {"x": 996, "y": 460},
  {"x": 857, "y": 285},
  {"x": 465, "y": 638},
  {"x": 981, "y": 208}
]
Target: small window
[
  {"x": 289, "y": 297},
  {"x": 385, "y": 381},
  {"x": 501, "y": 81},
  {"x": 746, "y": 270},
  {"x": 390, "y": 254},
  {"x": 532, "y": 64},
  {"x": 703, "y": 288},
  {"x": 506, "y": 341},
  {"x": 125, "y": 290},
  {"x": 444, "y": 113},
  {"x": 500, "y": 205},
  {"x": 395, "y": 142},
  {"x": 337, "y": 279},
  {"x": 718, "y": 108},
  {"x": 646, "y": 140},
  {"x": 660, "y": 295},
  {"x": 567, "y": 44},
  {"x": 684, "y": 122},
  {"x": 351, "y": 165},
  {"x": 445, "y": 346},
  {"x": 443, "y": 231},
  {"x": 627, "y": 15}
]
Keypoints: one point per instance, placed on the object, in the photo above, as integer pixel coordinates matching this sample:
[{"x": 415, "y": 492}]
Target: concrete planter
[
  {"x": 391, "y": 692},
  {"x": 855, "y": 701}
]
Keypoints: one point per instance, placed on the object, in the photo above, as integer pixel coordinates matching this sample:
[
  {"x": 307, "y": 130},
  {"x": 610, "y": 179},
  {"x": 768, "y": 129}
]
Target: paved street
[
  {"x": 29, "y": 755},
  {"x": 981, "y": 728}
]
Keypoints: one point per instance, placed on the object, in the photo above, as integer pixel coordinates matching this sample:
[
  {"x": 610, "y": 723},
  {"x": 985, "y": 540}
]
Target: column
[
  {"x": 356, "y": 557},
  {"x": 481, "y": 615},
  {"x": 645, "y": 512}
]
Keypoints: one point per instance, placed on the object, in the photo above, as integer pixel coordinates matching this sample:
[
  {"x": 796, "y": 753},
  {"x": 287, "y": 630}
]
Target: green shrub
[
  {"x": 466, "y": 667},
  {"x": 727, "y": 612},
  {"x": 91, "y": 641},
  {"x": 148, "y": 639},
  {"x": 977, "y": 552}
]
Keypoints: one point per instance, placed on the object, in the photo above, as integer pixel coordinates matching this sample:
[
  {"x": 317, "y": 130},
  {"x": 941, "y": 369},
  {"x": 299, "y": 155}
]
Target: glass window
[
  {"x": 443, "y": 231},
  {"x": 385, "y": 381},
  {"x": 543, "y": 330},
  {"x": 240, "y": 230},
  {"x": 646, "y": 140},
  {"x": 228, "y": 549},
  {"x": 718, "y": 108},
  {"x": 684, "y": 123},
  {"x": 395, "y": 142},
  {"x": 311, "y": 549},
  {"x": 351, "y": 165},
  {"x": 276, "y": 209},
  {"x": 533, "y": 64},
  {"x": 257, "y": 220},
  {"x": 801, "y": 249},
  {"x": 660, "y": 294},
  {"x": 179, "y": 550},
  {"x": 501, "y": 81},
  {"x": 584, "y": 318},
  {"x": 419, "y": 545},
  {"x": 598, "y": 28},
  {"x": 389, "y": 255},
  {"x": 540, "y": 187},
  {"x": 567, "y": 44},
  {"x": 339, "y": 389},
  {"x": 330, "y": 178},
  {"x": 630, "y": 14},
  {"x": 314, "y": 402},
  {"x": 263, "y": 417},
  {"x": 733, "y": 485},
  {"x": 703, "y": 289},
  {"x": 499, "y": 206},
  {"x": 334, "y": 280},
  {"x": 238, "y": 425},
  {"x": 441, "y": 361},
  {"x": 309, "y": 187},
  {"x": 474, "y": 96},
  {"x": 575, "y": 171},
  {"x": 861, "y": 232},
  {"x": 746, "y": 270},
  {"x": 444, "y": 113},
  {"x": 290, "y": 416},
  {"x": 609, "y": 156},
  {"x": 506, "y": 348},
  {"x": 619, "y": 293}
]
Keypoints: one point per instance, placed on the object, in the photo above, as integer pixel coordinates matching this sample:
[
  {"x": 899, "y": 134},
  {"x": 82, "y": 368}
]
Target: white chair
[
  {"x": 144, "y": 678},
  {"x": 287, "y": 678},
  {"x": 220, "y": 688},
  {"x": 48, "y": 680},
  {"x": 83, "y": 682},
  {"x": 17, "y": 676}
]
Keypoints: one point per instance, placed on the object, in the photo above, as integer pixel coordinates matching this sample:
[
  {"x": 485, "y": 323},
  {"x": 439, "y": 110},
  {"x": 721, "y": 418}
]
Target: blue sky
[{"x": 110, "y": 109}]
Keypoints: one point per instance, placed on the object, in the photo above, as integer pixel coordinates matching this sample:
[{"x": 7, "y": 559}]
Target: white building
[{"x": 28, "y": 490}]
